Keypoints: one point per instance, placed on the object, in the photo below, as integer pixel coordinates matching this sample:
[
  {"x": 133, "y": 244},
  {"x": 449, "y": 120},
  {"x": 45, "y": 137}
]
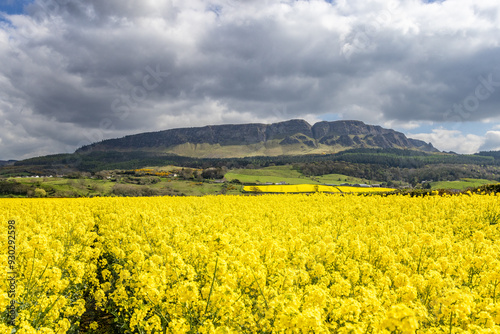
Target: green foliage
[
  {"x": 13, "y": 188},
  {"x": 128, "y": 190},
  {"x": 494, "y": 154},
  {"x": 489, "y": 188},
  {"x": 95, "y": 161},
  {"x": 214, "y": 173},
  {"x": 40, "y": 192}
]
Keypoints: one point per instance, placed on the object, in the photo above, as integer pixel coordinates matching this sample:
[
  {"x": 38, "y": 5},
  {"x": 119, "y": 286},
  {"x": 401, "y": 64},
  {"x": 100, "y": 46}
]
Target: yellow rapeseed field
[
  {"x": 259, "y": 264},
  {"x": 312, "y": 188}
]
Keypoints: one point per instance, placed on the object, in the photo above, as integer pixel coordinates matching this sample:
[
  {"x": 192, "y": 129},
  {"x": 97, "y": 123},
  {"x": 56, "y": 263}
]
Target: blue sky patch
[{"x": 13, "y": 7}]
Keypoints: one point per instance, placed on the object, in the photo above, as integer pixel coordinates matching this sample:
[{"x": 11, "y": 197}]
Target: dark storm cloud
[{"x": 83, "y": 71}]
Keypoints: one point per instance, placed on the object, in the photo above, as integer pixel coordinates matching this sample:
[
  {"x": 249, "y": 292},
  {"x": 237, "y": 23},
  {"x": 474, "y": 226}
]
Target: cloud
[
  {"x": 394, "y": 124},
  {"x": 492, "y": 141},
  {"x": 452, "y": 140},
  {"x": 111, "y": 68}
]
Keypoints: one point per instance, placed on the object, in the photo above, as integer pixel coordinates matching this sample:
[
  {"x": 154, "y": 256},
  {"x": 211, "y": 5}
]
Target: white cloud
[
  {"x": 394, "y": 124},
  {"x": 451, "y": 140},
  {"x": 492, "y": 141}
]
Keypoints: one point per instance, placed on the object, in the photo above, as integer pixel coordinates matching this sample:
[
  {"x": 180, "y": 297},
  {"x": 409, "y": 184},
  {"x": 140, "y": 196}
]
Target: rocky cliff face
[
  {"x": 339, "y": 128},
  {"x": 338, "y": 134}
]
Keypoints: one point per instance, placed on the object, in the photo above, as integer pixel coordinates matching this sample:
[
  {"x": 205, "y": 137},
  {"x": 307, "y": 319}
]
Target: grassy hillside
[
  {"x": 289, "y": 175},
  {"x": 461, "y": 184},
  {"x": 87, "y": 187},
  {"x": 340, "y": 178},
  {"x": 273, "y": 174},
  {"x": 270, "y": 148}
]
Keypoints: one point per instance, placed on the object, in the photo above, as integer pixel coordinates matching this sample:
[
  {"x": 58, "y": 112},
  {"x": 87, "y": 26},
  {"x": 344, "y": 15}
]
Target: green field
[
  {"x": 461, "y": 184},
  {"x": 289, "y": 175},
  {"x": 273, "y": 174},
  {"x": 191, "y": 188},
  {"x": 69, "y": 187},
  {"x": 339, "y": 178}
]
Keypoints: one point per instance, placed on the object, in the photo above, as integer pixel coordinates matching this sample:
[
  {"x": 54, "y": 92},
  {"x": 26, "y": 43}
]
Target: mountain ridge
[{"x": 293, "y": 137}]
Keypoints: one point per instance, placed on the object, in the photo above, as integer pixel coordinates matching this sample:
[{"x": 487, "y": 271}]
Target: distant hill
[
  {"x": 7, "y": 162},
  {"x": 293, "y": 137}
]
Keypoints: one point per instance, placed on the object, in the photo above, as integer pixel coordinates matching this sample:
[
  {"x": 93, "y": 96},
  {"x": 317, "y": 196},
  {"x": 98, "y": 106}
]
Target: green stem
[
  {"x": 211, "y": 287},
  {"x": 260, "y": 290},
  {"x": 451, "y": 321},
  {"x": 420, "y": 259},
  {"x": 145, "y": 234},
  {"x": 32, "y": 268},
  {"x": 155, "y": 307},
  {"x": 44, "y": 313}
]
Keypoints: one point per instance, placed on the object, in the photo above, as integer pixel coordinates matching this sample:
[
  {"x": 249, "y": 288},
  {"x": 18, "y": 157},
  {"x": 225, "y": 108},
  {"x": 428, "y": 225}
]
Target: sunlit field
[
  {"x": 320, "y": 263},
  {"x": 312, "y": 188}
]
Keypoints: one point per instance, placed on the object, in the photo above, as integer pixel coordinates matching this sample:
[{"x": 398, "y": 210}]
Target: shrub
[{"x": 39, "y": 192}]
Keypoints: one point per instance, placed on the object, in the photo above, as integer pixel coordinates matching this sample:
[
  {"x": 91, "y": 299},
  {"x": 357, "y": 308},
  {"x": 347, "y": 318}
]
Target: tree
[
  {"x": 39, "y": 192},
  {"x": 214, "y": 173},
  {"x": 186, "y": 174}
]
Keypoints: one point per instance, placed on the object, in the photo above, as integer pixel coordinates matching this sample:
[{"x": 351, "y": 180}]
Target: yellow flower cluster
[
  {"x": 55, "y": 261},
  {"x": 313, "y": 188},
  {"x": 263, "y": 264},
  {"x": 147, "y": 171}
]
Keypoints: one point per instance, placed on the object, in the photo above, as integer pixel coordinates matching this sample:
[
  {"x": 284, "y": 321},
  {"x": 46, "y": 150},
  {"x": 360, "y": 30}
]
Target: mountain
[{"x": 293, "y": 137}]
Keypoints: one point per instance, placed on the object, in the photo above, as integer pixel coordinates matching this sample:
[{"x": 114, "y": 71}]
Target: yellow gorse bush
[{"x": 264, "y": 264}]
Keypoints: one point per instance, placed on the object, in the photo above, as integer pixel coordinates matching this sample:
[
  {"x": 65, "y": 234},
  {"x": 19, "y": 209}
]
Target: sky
[{"x": 75, "y": 72}]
